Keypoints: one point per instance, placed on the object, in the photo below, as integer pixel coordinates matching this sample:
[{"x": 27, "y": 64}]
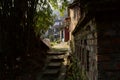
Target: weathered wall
[
  {"x": 97, "y": 45},
  {"x": 86, "y": 49},
  {"x": 74, "y": 16},
  {"x": 97, "y": 39}
]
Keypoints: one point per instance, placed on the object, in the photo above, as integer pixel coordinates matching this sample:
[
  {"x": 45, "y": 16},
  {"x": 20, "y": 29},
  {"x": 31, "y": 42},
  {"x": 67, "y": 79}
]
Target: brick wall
[
  {"x": 97, "y": 40},
  {"x": 86, "y": 49},
  {"x": 97, "y": 45},
  {"x": 74, "y": 16}
]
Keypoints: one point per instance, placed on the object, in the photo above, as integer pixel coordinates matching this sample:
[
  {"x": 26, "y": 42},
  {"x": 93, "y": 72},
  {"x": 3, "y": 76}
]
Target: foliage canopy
[
  {"x": 20, "y": 49},
  {"x": 44, "y": 14}
]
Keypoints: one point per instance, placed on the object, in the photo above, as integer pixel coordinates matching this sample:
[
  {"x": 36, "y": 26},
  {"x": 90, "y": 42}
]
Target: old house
[
  {"x": 65, "y": 29},
  {"x": 74, "y": 15},
  {"x": 97, "y": 38}
]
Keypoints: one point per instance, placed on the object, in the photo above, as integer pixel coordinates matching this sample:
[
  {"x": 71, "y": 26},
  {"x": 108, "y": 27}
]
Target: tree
[
  {"x": 20, "y": 48},
  {"x": 44, "y": 16}
]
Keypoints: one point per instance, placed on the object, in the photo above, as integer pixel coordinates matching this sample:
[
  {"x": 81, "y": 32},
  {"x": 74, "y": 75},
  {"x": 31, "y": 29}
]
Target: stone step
[
  {"x": 57, "y": 60},
  {"x": 49, "y": 77},
  {"x": 54, "y": 64},
  {"x": 55, "y": 56},
  {"x": 55, "y": 53},
  {"x": 53, "y": 67},
  {"x": 51, "y": 71}
]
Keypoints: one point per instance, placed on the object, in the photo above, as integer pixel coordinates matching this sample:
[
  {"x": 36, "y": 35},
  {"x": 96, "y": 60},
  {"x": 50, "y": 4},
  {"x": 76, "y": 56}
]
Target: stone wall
[
  {"x": 97, "y": 39},
  {"x": 97, "y": 45},
  {"x": 74, "y": 14},
  {"x": 86, "y": 49}
]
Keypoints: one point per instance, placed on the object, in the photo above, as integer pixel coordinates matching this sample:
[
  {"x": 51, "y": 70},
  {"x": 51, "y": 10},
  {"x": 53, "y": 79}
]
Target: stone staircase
[{"x": 55, "y": 68}]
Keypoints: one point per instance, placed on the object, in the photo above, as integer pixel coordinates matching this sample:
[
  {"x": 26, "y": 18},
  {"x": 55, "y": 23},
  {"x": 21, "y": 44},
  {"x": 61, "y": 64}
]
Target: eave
[{"x": 94, "y": 8}]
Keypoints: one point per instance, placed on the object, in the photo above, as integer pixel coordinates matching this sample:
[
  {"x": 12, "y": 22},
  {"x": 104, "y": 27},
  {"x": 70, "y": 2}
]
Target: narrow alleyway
[{"x": 55, "y": 68}]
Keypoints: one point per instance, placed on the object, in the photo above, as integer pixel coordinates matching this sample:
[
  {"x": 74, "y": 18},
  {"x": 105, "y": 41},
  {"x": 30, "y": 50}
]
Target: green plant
[{"x": 74, "y": 70}]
